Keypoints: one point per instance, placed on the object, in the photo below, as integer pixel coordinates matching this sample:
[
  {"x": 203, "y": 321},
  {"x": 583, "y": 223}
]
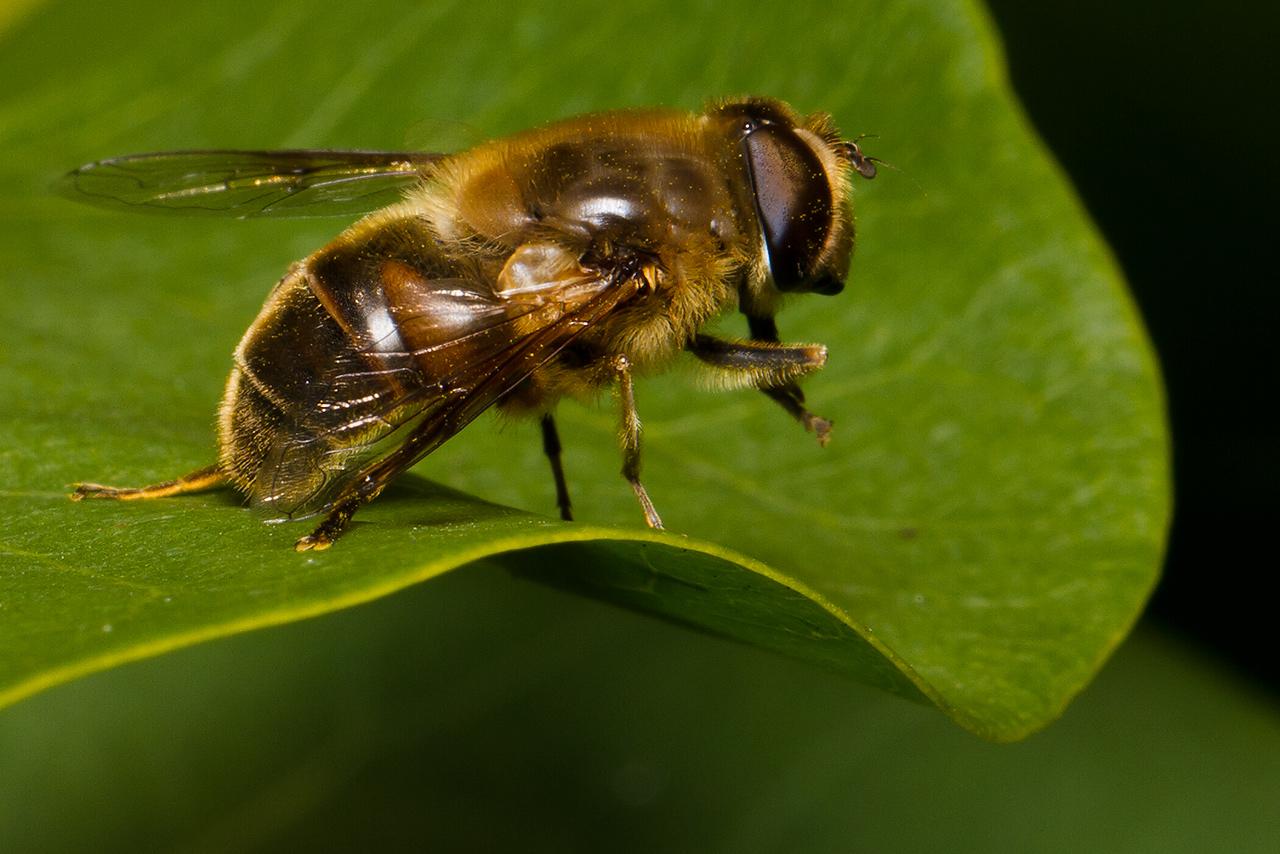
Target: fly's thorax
[
  {"x": 690, "y": 289},
  {"x": 652, "y": 178}
]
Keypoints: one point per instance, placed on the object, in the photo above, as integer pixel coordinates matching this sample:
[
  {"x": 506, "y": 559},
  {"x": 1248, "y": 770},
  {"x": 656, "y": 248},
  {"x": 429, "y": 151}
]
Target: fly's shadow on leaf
[{"x": 427, "y": 503}]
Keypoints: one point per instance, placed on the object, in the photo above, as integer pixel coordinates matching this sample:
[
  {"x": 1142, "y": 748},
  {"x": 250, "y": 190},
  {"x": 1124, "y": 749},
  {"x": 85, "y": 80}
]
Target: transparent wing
[
  {"x": 246, "y": 184},
  {"x": 384, "y": 407}
]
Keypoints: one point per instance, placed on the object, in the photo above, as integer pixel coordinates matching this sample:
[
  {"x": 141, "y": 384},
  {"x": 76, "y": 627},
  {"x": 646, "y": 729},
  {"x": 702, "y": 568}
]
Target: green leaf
[{"x": 982, "y": 531}]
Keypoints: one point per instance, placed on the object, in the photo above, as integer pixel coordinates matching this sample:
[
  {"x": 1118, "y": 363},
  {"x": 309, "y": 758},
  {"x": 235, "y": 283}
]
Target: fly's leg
[
  {"x": 629, "y": 438},
  {"x": 209, "y": 477},
  {"x": 333, "y": 525},
  {"x": 791, "y": 398},
  {"x": 551, "y": 446},
  {"x": 370, "y": 484},
  {"x": 788, "y": 394},
  {"x": 756, "y": 363},
  {"x": 771, "y": 367},
  {"x": 201, "y": 479}
]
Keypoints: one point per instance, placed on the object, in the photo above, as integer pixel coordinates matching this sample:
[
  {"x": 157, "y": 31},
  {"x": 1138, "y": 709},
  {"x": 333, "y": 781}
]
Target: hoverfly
[{"x": 549, "y": 264}]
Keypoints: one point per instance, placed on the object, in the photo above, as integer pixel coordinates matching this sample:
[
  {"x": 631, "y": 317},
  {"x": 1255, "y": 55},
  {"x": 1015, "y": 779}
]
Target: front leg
[
  {"x": 771, "y": 367},
  {"x": 788, "y": 395}
]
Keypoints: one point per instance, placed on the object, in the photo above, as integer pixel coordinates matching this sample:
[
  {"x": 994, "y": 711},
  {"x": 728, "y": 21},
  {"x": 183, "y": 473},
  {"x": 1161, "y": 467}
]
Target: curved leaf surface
[{"x": 982, "y": 530}]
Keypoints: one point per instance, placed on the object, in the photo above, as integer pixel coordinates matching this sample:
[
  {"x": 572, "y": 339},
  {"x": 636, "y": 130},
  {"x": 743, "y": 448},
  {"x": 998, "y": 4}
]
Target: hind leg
[
  {"x": 200, "y": 479},
  {"x": 333, "y": 525},
  {"x": 551, "y": 445}
]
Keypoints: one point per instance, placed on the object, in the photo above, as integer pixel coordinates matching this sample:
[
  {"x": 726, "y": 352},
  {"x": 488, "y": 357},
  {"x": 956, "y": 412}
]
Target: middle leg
[{"x": 630, "y": 440}]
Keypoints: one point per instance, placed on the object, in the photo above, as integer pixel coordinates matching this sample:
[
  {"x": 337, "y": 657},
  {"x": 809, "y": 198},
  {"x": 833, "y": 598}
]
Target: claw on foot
[
  {"x": 820, "y": 427},
  {"x": 313, "y": 543},
  {"x": 81, "y": 491}
]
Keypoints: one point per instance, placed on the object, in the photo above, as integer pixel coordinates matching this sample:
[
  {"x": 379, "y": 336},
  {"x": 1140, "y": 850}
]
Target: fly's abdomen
[
  {"x": 302, "y": 387},
  {"x": 355, "y": 349}
]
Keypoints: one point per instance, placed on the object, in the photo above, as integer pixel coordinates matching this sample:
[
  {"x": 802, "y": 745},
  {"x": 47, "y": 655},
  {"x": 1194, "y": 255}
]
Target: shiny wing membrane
[
  {"x": 246, "y": 184},
  {"x": 420, "y": 368}
]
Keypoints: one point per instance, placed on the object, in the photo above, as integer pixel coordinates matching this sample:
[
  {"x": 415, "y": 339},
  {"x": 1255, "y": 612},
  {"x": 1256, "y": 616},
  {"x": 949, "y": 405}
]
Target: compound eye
[{"x": 793, "y": 200}]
